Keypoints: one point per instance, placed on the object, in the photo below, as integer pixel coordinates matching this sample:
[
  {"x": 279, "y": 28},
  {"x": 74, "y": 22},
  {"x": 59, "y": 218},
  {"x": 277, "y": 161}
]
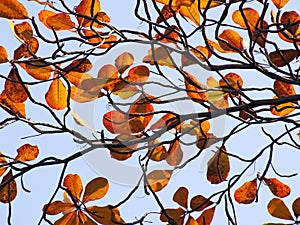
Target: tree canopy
[{"x": 212, "y": 84}]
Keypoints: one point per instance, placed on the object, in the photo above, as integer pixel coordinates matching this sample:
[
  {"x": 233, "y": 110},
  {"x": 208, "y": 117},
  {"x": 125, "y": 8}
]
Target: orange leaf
[
  {"x": 160, "y": 56},
  {"x": 181, "y": 196},
  {"x": 167, "y": 13},
  {"x": 202, "y": 53},
  {"x": 229, "y": 39},
  {"x": 138, "y": 74},
  {"x": 68, "y": 219},
  {"x": 124, "y": 151},
  {"x": 195, "y": 90},
  {"x": 191, "y": 221},
  {"x": 3, "y": 55},
  {"x": 296, "y": 207},
  {"x": 278, "y": 188},
  {"x": 177, "y": 2},
  {"x": 60, "y": 21},
  {"x": 109, "y": 73},
  {"x": 101, "y": 40},
  {"x": 57, "y": 95},
  {"x": 9, "y": 191},
  {"x": 246, "y": 193},
  {"x": 175, "y": 154},
  {"x": 191, "y": 13},
  {"x": 103, "y": 215},
  {"x": 176, "y": 214},
  {"x": 216, "y": 46},
  {"x": 95, "y": 189},
  {"x": 158, "y": 179},
  {"x": 199, "y": 203},
  {"x": 280, "y": 3},
  {"x": 22, "y": 51},
  {"x": 278, "y": 209},
  {"x": 84, "y": 219},
  {"x": 27, "y": 152},
  {"x": 124, "y": 61},
  {"x": 283, "y": 109},
  {"x": 207, "y": 140},
  {"x": 283, "y": 57},
  {"x": 163, "y": 121},
  {"x": 206, "y": 217},
  {"x": 101, "y": 17},
  {"x": 57, "y": 207},
  {"x": 81, "y": 96},
  {"x": 14, "y": 89},
  {"x": 77, "y": 77},
  {"x": 123, "y": 89},
  {"x": 37, "y": 70},
  {"x": 24, "y": 31},
  {"x": 85, "y": 8},
  {"x": 218, "y": 167},
  {"x": 79, "y": 65},
  {"x": 2, "y": 161},
  {"x": 231, "y": 81},
  {"x": 288, "y": 18},
  {"x": 12, "y": 9},
  {"x": 17, "y": 108},
  {"x": 251, "y": 16},
  {"x": 157, "y": 153},
  {"x": 73, "y": 183},
  {"x": 116, "y": 122}
]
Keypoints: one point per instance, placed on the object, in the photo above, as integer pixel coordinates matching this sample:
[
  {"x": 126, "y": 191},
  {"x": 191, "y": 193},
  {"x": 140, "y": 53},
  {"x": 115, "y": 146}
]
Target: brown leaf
[
  {"x": 231, "y": 81},
  {"x": 76, "y": 77},
  {"x": 27, "y": 49},
  {"x": 199, "y": 203},
  {"x": 12, "y": 9},
  {"x": 124, "y": 151},
  {"x": 296, "y": 207},
  {"x": 176, "y": 214},
  {"x": 124, "y": 61},
  {"x": 85, "y": 8},
  {"x": 109, "y": 73},
  {"x": 202, "y": 53},
  {"x": 27, "y": 152},
  {"x": 229, "y": 39},
  {"x": 181, "y": 197},
  {"x": 218, "y": 167},
  {"x": 37, "y": 69},
  {"x": 206, "y": 217},
  {"x": 157, "y": 153},
  {"x": 103, "y": 215},
  {"x": 57, "y": 207},
  {"x": 73, "y": 183},
  {"x": 158, "y": 179},
  {"x": 57, "y": 95},
  {"x": 291, "y": 19},
  {"x": 79, "y": 65},
  {"x": 206, "y": 141},
  {"x": 14, "y": 89},
  {"x": 278, "y": 188},
  {"x": 246, "y": 193},
  {"x": 191, "y": 221},
  {"x": 3, "y": 55},
  {"x": 160, "y": 56},
  {"x": 195, "y": 90},
  {"x": 9, "y": 191},
  {"x": 138, "y": 74},
  {"x": 2, "y": 161},
  {"x": 24, "y": 31},
  {"x": 283, "y": 57},
  {"x": 175, "y": 154},
  {"x": 17, "y": 108},
  {"x": 81, "y": 96},
  {"x": 95, "y": 189},
  {"x": 167, "y": 13},
  {"x": 280, "y": 3},
  {"x": 278, "y": 209}
]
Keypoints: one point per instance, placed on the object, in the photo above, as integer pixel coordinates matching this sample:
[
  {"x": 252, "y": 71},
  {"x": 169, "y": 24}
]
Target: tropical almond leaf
[
  {"x": 3, "y": 55},
  {"x": 16, "y": 108},
  {"x": 79, "y": 65},
  {"x": 230, "y": 39},
  {"x": 175, "y": 154},
  {"x": 122, "y": 152},
  {"x": 57, "y": 95},
  {"x": 116, "y": 122},
  {"x": 26, "y": 49},
  {"x": 246, "y": 193},
  {"x": 23, "y": 31},
  {"x": 76, "y": 77},
  {"x": 60, "y": 21},
  {"x": 2, "y": 161},
  {"x": 82, "y": 96},
  {"x": 280, "y": 3},
  {"x": 278, "y": 209},
  {"x": 109, "y": 73},
  {"x": 38, "y": 70},
  {"x": 14, "y": 89},
  {"x": 191, "y": 13},
  {"x": 181, "y": 197},
  {"x": 167, "y": 13},
  {"x": 251, "y": 15},
  {"x": 138, "y": 74},
  {"x": 176, "y": 214},
  {"x": 283, "y": 57},
  {"x": 157, "y": 153},
  {"x": 195, "y": 90},
  {"x": 57, "y": 207},
  {"x": 191, "y": 221},
  {"x": 283, "y": 109},
  {"x": 206, "y": 216},
  {"x": 164, "y": 121},
  {"x": 158, "y": 179},
  {"x": 104, "y": 214},
  {"x": 278, "y": 188},
  {"x": 84, "y": 8},
  {"x": 288, "y": 18},
  {"x": 199, "y": 203},
  {"x": 69, "y": 218},
  {"x": 95, "y": 189},
  {"x": 296, "y": 207},
  {"x": 218, "y": 167},
  {"x": 73, "y": 183},
  {"x": 124, "y": 61},
  {"x": 27, "y": 152},
  {"x": 12, "y": 9},
  {"x": 9, "y": 191}
]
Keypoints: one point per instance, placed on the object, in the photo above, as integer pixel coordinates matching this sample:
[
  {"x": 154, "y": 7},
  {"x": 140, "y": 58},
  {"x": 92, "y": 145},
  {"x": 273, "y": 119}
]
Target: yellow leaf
[
  {"x": 158, "y": 179},
  {"x": 95, "y": 189},
  {"x": 73, "y": 183},
  {"x": 9, "y": 191},
  {"x": 3, "y": 55},
  {"x": 12, "y": 9},
  {"x": 57, "y": 95},
  {"x": 191, "y": 13},
  {"x": 27, "y": 152}
]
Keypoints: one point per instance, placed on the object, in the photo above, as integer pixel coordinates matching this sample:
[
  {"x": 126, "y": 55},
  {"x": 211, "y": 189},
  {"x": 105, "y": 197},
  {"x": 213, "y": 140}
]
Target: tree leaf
[
  {"x": 164, "y": 121},
  {"x": 201, "y": 52},
  {"x": 124, "y": 61},
  {"x": 27, "y": 152},
  {"x": 176, "y": 214},
  {"x": 278, "y": 188},
  {"x": 280, "y": 3},
  {"x": 157, "y": 153},
  {"x": 24, "y": 31},
  {"x": 81, "y": 96},
  {"x": 73, "y": 183},
  {"x": 22, "y": 50},
  {"x": 191, "y": 221},
  {"x": 251, "y": 15},
  {"x": 57, "y": 95},
  {"x": 283, "y": 109},
  {"x": 229, "y": 39},
  {"x": 218, "y": 167},
  {"x": 191, "y": 13},
  {"x": 138, "y": 74},
  {"x": 160, "y": 56},
  {"x": 2, "y": 161},
  {"x": 85, "y": 8},
  {"x": 69, "y": 218},
  {"x": 76, "y": 77},
  {"x": 9, "y": 191},
  {"x": 3, "y": 55},
  {"x": 181, "y": 197},
  {"x": 37, "y": 70},
  {"x": 110, "y": 74},
  {"x": 206, "y": 141},
  {"x": 206, "y": 217},
  {"x": 158, "y": 179},
  {"x": 195, "y": 90},
  {"x": 116, "y": 122},
  {"x": 102, "y": 215},
  {"x": 84, "y": 219},
  {"x": 199, "y": 203},
  {"x": 296, "y": 207},
  {"x": 12, "y": 9},
  {"x": 175, "y": 154},
  {"x": 283, "y": 57},
  {"x": 60, "y": 21},
  {"x": 100, "y": 39},
  {"x": 82, "y": 65},
  {"x": 246, "y": 193},
  {"x": 278, "y": 209},
  {"x": 124, "y": 151},
  {"x": 231, "y": 81},
  {"x": 288, "y": 18},
  {"x": 57, "y": 207},
  {"x": 16, "y": 108},
  {"x": 95, "y": 189},
  {"x": 14, "y": 89},
  {"x": 167, "y": 13}
]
